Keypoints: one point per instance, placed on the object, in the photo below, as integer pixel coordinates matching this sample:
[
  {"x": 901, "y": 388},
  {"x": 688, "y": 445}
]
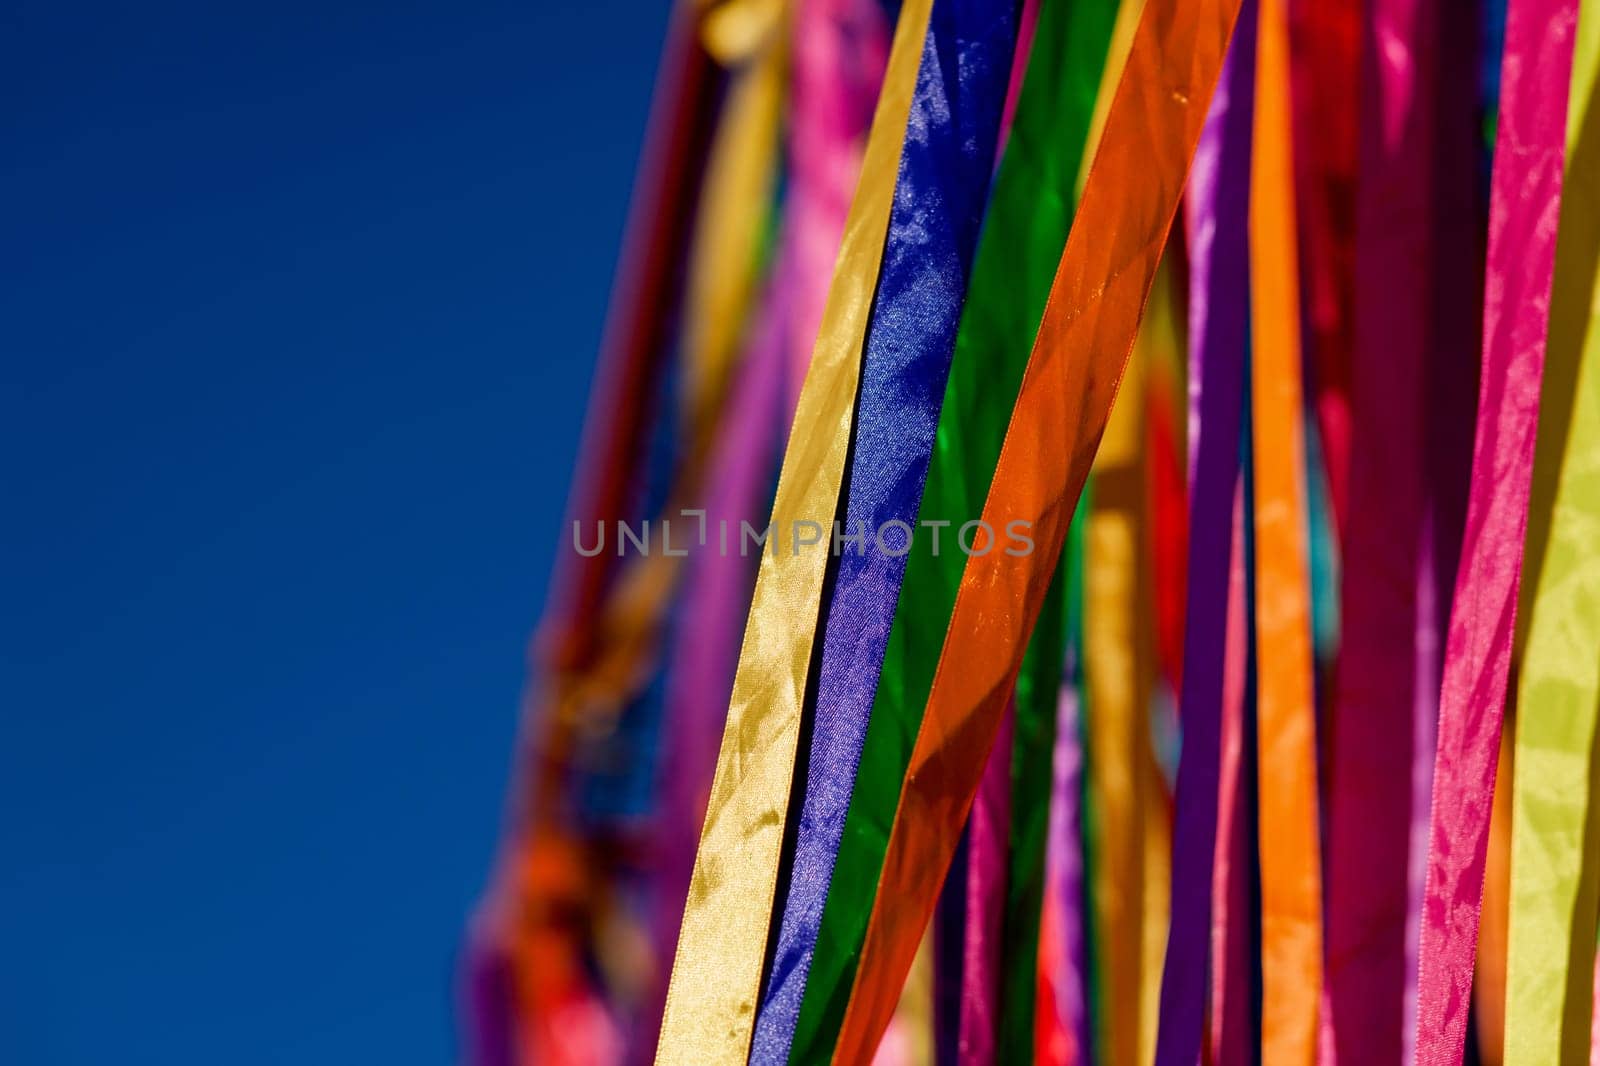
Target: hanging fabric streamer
[
  {"x": 1554, "y": 852},
  {"x": 1186, "y": 722},
  {"x": 1218, "y": 325},
  {"x": 1291, "y": 874},
  {"x": 1523, "y": 213},
  {"x": 1084, "y": 341},
  {"x": 1385, "y": 676},
  {"x": 711, "y": 1001},
  {"x": 1022, "y": 238},
  {"x": 1117, "y": 684},
  {"x": 942, "y": 187}
]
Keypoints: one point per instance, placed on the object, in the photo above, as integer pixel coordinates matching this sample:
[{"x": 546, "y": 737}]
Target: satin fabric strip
[
  {"x": 1035, "y": 706},
  {"x": 1023, "y": 233},
  {"x": 1084, "y": 340},
  {"x": 1383, "y": 667},
  {"x": 1027, "y": 752},
  {"x": 1291, "y": 875},
  {"x": 1524, "y": 210},
  {"x": 1117, "y": 685},
  {"x": 711, "y": 1000},
  {"x": 1553, "y": 847},
  {"x": 942, "y": 187},
  {"x": 1218, "y": 324},
  {"x": 988, "y": 830},
  {"x": 839, "y": 50},
  {"x": 717, "y": 594}
]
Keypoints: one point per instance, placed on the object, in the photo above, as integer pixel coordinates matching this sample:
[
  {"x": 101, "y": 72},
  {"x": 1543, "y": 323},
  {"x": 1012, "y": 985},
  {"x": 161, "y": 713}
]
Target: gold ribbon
[
  {"x": 1117, "y": 674},
  {"x": 1551, "y": 949},
  {"x": 711, "y": 1004}
]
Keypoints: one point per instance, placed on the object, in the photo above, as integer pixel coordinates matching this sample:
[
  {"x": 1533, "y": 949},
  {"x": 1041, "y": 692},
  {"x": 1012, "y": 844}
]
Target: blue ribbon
[{"x": 940, "y": 193}]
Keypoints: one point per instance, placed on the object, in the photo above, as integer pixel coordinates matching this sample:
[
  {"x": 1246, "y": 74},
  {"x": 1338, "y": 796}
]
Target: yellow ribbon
[
  {"x": 1554, "y": 853},
  {"x": 1116, "y": 656},
  {"x": 711, "y": 1004},
  {"x": 1117, "y": 672}
]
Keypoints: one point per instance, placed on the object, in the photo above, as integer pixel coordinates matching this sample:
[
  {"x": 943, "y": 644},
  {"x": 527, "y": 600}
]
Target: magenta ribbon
[
  {"x": 840, "y": 50},
  {"x": 1413, "y": 364},
  {"x": 1383, "y": 665},
  {"x": 1525, "y": 203},
  {"x": 988, "y": 830}
]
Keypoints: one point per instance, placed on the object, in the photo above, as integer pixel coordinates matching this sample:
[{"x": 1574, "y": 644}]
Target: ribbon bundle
[{"x": 1085, "y": 550}]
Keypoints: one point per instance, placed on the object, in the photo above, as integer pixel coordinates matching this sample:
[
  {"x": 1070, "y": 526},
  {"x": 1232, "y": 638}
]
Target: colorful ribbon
[
  {"x": 942, "y": 187},
  {"x": 1385, "y": 663},
  {"x": 1024, "y": 230},
  {"x": 1554, "y": 851},
  {"x": 1291, "y": 864},
  {"x": 1218, "y": 327},
  {"x": 1088, "y": 329},
  {"x": 711, "y": 1001},
  {"x": 1526, "y": 198}
]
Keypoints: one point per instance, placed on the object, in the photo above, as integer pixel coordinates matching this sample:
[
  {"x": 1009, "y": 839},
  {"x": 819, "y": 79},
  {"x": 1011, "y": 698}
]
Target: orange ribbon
[{"x": 1291, "y": 873}]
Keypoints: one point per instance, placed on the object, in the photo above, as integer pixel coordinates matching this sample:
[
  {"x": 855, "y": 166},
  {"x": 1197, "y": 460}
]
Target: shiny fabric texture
[
  {"x": 941, "y": 190},
  {"x": 1024, "y": 230},
  {"x": 717, "y": 594},
  {"x": 1218, "y": 204},
  {"x": 1554, "y": 851},
  {"x": 1088, "y": 329},
  {"x": 839, "y": 50},
  {"x": 1524, "y": 212},
  {"x": 1286, "y": 727},
  {"x": 711, "y": 1001}
]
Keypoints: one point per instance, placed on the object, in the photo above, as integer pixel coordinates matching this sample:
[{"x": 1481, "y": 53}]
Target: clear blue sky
[{"x": 297, "y": 317}]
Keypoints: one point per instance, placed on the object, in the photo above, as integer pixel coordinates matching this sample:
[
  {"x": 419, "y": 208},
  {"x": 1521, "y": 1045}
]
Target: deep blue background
[{"x": 298, "y": 309}]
